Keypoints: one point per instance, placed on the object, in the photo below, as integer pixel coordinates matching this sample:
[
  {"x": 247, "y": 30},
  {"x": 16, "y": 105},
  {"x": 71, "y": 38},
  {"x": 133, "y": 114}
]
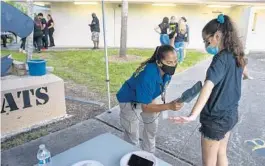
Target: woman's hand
[
  {"x": 183, "y": 119},
  {"x": 157, "y": 29},
  {"x": 175, "y": 105}
]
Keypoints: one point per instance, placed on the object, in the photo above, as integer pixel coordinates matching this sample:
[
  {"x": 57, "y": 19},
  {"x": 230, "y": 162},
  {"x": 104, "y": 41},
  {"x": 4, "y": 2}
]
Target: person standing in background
[
  {"x": 4, "y": 37},
  {"x": 37, "y": 35},
  {"x": 181, "y": 31},
  {"x": 246, "y": 75},
  {"x": 172, "y": 24},
  {"x": 50, "y": 25},
  {"x": 187, "y": 36},
  {"x": 44, "y": 31},
  {"x": 162, "y": 29},
  {"x": 95, "y": 30},
  {"x": 23, "y": 45}
]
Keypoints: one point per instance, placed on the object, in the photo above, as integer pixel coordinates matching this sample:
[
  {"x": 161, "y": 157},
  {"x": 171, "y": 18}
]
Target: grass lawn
[{"x": 88, "y": 66}]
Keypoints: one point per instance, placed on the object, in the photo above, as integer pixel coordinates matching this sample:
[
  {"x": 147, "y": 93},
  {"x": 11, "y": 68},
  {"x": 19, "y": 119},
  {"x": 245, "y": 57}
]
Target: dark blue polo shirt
[
  {"x": 221, "y": 110},
  {"x": 143, "y": 87}
]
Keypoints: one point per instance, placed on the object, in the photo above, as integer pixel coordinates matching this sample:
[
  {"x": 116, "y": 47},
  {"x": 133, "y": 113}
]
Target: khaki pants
[{"x": 129, "y": 119}]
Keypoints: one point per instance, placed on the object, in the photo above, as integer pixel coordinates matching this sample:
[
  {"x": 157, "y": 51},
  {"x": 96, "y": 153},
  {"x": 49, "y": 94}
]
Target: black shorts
[{"x": 216, "y": 128}]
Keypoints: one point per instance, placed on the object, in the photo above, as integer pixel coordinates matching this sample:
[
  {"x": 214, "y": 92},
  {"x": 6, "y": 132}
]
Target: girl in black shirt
[
  {"x": 162, "y": 29},
  {"x": 51, "y": 29},
  {"x": 38, "y": 34},
  {"x": 217, "y": 104}
]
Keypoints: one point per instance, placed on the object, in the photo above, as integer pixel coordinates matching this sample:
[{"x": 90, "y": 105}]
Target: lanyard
[{"x": 163, "y": 93}]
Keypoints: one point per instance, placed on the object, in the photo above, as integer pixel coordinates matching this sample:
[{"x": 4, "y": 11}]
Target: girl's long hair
[
  {"x": 182, "y": 28},
  {"x": 230, "y": 39},
  {"x": 50, "y": 17}
]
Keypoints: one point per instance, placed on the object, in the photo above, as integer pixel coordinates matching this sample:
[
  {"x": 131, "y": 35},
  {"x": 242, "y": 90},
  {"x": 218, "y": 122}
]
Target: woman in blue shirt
[{"x": 137, "y": 96}]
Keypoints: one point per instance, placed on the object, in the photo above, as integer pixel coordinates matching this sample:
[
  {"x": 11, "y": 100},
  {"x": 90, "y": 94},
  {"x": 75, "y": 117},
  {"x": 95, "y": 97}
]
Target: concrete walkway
[
  {"x": 172, "y": 138},
  {"x": 176, "y": 144}
]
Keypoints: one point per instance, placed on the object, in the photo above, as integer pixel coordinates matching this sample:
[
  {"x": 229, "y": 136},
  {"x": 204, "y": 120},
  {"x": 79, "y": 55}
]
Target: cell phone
[{"x": 139, "y": 161}]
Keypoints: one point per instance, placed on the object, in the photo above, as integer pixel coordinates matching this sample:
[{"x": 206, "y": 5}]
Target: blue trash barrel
[{"x": 37, "y": 67}]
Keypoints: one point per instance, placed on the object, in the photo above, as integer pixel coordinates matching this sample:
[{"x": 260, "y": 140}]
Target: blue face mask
[{"x": 212, "y": 50}]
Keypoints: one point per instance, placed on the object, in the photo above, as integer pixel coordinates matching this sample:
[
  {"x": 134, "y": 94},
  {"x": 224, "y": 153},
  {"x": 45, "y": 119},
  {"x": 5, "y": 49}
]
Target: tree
[
  {"x": 21, "y": 6},
  {"x": 124, "y": 17}
]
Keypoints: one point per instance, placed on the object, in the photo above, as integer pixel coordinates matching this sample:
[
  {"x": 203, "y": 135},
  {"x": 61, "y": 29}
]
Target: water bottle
[
  {"x": 44, "y": 156},
  {"x": 169, "y": 113}
]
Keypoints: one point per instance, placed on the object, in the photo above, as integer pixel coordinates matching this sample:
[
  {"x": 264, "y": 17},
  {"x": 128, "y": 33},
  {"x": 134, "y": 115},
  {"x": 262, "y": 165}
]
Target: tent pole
[
  {"x": 106, "y": 55},
  {"x": 30, "y": 37}
]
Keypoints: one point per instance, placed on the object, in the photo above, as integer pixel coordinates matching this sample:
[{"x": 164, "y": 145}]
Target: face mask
[
  {"x": 170, "y": 70},
  {"x": 212, "y": 50}
]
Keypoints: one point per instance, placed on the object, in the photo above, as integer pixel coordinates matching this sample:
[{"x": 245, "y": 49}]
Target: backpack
[{"x": 37, "y": 29}]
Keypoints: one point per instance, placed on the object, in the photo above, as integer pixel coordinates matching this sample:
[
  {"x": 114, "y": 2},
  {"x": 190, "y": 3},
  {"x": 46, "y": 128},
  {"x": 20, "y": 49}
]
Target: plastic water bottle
[
  {"x": 44, "y": 156},
  {"x": 168, "y": 114},
  {"x": 165, "y": 114}
]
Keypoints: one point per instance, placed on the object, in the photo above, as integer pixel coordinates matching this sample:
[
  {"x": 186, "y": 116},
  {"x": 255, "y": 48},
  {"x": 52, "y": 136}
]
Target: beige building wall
[
  {"x": 71, "y": 23},
  {"x": 72, "y": 30},
  {"x": 241, "y": 18},
  {"x": 256, "y": 35},
  {"x": 143, "y": 19},
  {"x": 250, "y": 23}
]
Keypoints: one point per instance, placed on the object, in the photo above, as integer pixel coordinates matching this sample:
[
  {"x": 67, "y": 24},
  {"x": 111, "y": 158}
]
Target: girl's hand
[{"x": 183, "y": 119}]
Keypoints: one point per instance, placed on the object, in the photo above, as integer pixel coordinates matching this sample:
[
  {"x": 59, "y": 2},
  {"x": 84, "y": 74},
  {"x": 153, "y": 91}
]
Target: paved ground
[{"x": 172, "y": 138}]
